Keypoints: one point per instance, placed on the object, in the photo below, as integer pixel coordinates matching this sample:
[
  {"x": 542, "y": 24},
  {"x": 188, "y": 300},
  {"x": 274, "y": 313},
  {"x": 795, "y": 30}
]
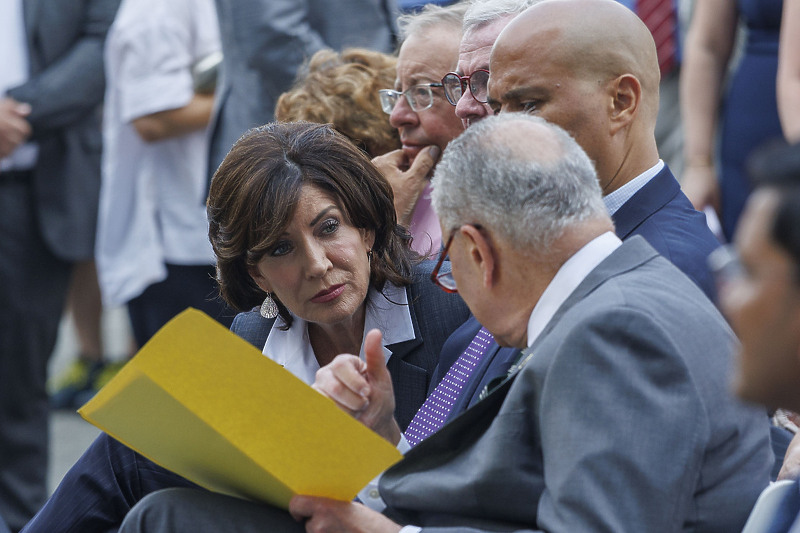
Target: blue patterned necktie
[{"x": 433, "y": 413}]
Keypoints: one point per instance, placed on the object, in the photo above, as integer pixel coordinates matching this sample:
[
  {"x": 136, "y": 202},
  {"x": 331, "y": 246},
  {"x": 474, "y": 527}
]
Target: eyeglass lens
[
  {"x": 419, "y": 98},
  {"x": 455, "y": 85}
]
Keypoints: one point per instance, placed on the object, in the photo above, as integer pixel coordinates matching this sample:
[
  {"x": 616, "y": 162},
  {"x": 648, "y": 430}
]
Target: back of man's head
[
  {"x": 525, "y": 179},
  {"x": 777, "y": 167},
  {"x": 760, "y": 294},
  {"x": 431, "y": 16},
  {"x": 483, "y": 12}
]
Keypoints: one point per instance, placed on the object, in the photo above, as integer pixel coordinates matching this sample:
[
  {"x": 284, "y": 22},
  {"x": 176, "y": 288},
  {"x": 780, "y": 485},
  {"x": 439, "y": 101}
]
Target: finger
[
  {"x": 344, "y": 381},
  {"x": 373, "y": 353},
  {"x": 395, "y": 157},
  {"x": 301, "y": 507},
  {"x": 425, "y": 161},
  {"x": 21, "y": 130},
  {"x": 23, "y": 109}
]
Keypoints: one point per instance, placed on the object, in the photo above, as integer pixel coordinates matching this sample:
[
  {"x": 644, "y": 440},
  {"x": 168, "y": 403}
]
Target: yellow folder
[{"x": 204, "y": 403}]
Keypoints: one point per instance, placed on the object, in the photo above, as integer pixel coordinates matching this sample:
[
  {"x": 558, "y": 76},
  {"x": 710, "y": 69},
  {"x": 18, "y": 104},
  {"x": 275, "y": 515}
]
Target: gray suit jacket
[
  {"x": 65, "y": 90},
  {"x": 266, "y": 41},
  {"x": 621, "y": 421},
  {"x": 435, "y": 314}
]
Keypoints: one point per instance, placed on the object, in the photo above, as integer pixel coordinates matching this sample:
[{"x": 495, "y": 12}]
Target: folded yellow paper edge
[{"x": 204, "y": 403}]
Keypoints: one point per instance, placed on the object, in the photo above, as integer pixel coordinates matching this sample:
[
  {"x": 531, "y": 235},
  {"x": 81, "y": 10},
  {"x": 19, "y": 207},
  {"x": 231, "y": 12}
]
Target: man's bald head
[{"x": 581, "y": 64}]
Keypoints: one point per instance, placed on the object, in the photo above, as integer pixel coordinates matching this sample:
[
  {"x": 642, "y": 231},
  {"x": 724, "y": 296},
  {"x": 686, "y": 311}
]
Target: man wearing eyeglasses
[
  {"x": 426, "y": 122},
  {"x": 466, "y": 88},
  {"x": 616, "y": 416}
]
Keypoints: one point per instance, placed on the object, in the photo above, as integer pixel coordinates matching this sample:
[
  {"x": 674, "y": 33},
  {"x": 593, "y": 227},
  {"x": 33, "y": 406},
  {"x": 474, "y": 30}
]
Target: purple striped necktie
[{"x": 434, "y": 411}]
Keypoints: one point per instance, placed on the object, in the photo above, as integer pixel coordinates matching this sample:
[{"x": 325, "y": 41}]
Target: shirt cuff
[
  {"x": 411, "y": 529},
  {"x": 370, "y": 496},
  {"x": 403, "y": 446}
]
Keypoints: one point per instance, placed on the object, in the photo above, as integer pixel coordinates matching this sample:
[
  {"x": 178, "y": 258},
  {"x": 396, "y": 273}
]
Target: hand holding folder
[{"x": 204, "y": 403}]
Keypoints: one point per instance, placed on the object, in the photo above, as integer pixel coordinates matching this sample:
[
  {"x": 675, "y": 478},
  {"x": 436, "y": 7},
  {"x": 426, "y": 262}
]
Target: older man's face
[
  {"x": 473, "y": 54},
  {"x": 425, "y": 58},
  {"x": 763, "y": 306}
]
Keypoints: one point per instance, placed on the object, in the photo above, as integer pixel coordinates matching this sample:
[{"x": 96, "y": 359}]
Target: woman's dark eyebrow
[{"x": 321, "y": 214}]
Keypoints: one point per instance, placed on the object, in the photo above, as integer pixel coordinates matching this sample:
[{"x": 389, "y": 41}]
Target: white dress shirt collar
[
  {"x": 567, "y": 279},
  {"x": 292, "y": 349},
  {"x": 617, "y": 199}
]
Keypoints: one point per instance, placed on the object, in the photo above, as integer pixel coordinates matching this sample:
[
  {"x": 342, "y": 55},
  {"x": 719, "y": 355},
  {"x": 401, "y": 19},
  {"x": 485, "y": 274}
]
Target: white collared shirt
[
  {"x": 567, "y": 279},
  {"x": 292, "y": 350},
  {"x": 617, "y": 199}
]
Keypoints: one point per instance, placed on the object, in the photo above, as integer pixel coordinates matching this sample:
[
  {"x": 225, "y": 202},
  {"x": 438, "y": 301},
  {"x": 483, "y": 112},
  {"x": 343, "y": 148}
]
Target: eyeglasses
[
  {"x": 445, "y": 280},
  {"x": 455, "y": 85},
  {"x": 419, "y": 97}
]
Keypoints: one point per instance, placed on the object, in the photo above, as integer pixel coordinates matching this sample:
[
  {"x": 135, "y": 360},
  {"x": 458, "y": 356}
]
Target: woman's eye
[
  {"x": 529, "y": 107},
  {"x": 282, "y": 248},
  {"x": 329, "y": 226}
]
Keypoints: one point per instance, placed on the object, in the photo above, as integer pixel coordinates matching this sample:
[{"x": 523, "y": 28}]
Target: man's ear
[
  {"x": 626, "y": 97},
  {"x": 480, "y": 251}
]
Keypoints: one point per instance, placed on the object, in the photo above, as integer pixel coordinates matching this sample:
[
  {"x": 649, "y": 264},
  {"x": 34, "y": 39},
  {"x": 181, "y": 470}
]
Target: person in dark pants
[{"x": 51, "y": 88}]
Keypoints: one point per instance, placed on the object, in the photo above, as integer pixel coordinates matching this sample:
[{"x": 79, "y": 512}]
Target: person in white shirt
[{"x": 152, "y": 246}]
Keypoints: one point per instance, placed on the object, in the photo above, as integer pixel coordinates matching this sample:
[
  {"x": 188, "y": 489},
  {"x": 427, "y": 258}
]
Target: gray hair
[
  {"x": 496, "y": 175},
  {"x": 430, "y": 16},
  {"x": 483, "y": 12}
]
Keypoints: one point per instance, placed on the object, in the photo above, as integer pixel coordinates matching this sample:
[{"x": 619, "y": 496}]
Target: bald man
[{"x": 590, "y": 66}]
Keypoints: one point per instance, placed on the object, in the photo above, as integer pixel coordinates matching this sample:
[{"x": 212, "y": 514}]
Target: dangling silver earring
[
  {"x": 369, "y": 257},
  {"x": 269, "y": 309}
]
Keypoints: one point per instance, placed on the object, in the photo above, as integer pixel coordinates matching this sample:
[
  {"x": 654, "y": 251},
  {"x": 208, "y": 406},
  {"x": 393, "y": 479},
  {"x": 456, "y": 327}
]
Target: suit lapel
[
  {"x": 469, "y": 425},
  {"x": 653, "y": 196},
  {"x": 401, "y": 349},
  {"x": 630, "y": 255}
]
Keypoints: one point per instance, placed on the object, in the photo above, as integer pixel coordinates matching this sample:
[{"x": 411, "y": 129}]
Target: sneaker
[
  {"x": 101, "y": 378},
  {"x": 77, "y": 377}
]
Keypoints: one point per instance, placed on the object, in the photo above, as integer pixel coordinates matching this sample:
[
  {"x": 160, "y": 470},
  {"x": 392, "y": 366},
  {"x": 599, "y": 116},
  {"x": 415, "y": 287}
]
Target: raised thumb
[
  {"x": 373, "y": 354},
  {"x": 425, "y": 161}
]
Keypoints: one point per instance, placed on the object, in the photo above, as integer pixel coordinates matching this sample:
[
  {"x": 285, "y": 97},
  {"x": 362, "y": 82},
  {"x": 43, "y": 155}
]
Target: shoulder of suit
[{"x": 252, "y": 327}]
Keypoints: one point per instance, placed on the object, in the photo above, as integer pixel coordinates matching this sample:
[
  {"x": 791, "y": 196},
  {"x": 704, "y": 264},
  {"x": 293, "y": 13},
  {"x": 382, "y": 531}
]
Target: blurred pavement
[{"x": 70, "y": 435}]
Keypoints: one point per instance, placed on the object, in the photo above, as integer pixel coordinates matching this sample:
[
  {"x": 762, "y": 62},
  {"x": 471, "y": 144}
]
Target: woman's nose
[{"x": 317, "y": 261}]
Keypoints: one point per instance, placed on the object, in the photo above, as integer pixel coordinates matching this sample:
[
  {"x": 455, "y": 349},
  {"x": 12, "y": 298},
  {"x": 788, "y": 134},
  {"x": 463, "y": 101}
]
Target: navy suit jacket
[{"x": 660, "y": 213}]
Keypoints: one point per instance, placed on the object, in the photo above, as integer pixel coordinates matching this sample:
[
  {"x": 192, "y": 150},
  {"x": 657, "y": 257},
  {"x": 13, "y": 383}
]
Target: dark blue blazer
[{"x": 660, "y": 213}]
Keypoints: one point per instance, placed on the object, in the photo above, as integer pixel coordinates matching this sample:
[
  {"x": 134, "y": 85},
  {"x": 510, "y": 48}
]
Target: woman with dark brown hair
[{"x": 303, "y": 227}]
